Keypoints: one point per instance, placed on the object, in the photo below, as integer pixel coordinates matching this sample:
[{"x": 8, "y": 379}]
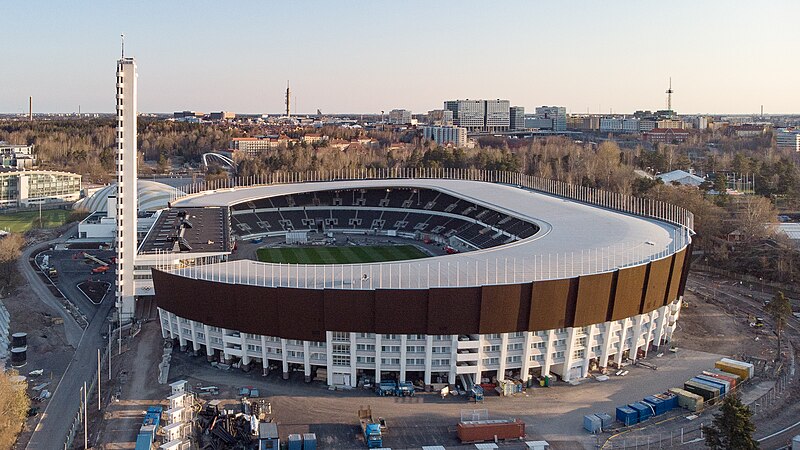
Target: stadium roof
[
  {"x": 574, "y": 239},
  {"x": 152, "y": 196}
]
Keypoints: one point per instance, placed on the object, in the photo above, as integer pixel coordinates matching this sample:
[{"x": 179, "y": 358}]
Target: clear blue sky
[{"x": 368, "y": 56}]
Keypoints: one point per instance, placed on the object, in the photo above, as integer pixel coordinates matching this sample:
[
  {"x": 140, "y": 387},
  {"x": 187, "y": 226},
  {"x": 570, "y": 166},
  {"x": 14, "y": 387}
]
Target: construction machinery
[
  {"x": 404, "y": 389},
  {"x": 386, "y": 387},
  {"x": 370, "y": 428}
]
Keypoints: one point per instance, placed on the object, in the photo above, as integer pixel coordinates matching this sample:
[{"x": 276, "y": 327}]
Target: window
[
  {"x": 579, "y": 354},
  {"x": 390, "y": 348},
  {"x": 582, "y": 341},
  {"x": 253, "y": 348},
  {"x": 366, "y": 335},
  {"x": 415, "y": 348},
  {"x": 517, "y": 334},
  {"x": 539, "y": 345},
  {"x": 596, "y": 349},
  {"x": 365, "y": 359},
  {"x": 341, "y": 360},
  {"x": 561, "y": 342},
  {"x": 537, "y": 358},
  {"x": 558, "y": 354},
  {"x": 294, "y": 354},
  {"x": 200, "y": 335},
  {"x": 416, "y": 337},
  {"x": 440, "y": 349},
  {"x": 341, "y": 349},
  {"x": 514, "y": 346},
  {"x": 340, "y": 336},
  {"x": 514, "y": 359},
  {"x": 415, "y": 361},
  {"x": 389, "y": 336},
  {"x": 491, "y": 361},
  {"x": 365, "y": 347},
  {"x": 493, "y": 336},
  {"x": 491, "y": 348},
  {"x": 440, "y": 362},
  {"x": 390, "y": 361}
]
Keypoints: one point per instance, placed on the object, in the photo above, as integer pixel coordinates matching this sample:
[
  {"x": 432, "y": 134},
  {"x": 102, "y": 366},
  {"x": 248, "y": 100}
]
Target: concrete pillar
[
  {"x": 403, "y": 351},
  {"x": 526, "y": 357},
  {"x": 548, "y": 356},
  {"x": 264, "y": 360},
  {"x": 451, "y": 378},
  {"x": 195, "y": 343},
  {"x": 623, "y": 335},
  {"x": 605, "y": 350},
  {"x": 637, "y": 333},
  {"x": 329, "y": 356},
  {"x": 353, "y": 369},
  {"x": 306, "y": 361},
  {"x": 501, "y": 369},
  {"x": 428, "y": 358},
  {"x": 162, "y": 316},
  {"x": 568, "y": 358},
  {"x": 587, "y": 348},
  {"x": 284, "y": 360},
  {"x": 378, "y": 343},
  {"x": 245, "y": 356},
  {"x": 209, "y": 350}
]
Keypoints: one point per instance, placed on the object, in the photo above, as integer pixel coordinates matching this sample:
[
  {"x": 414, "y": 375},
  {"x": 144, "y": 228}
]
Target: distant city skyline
[{"x": 724, "y": 57}]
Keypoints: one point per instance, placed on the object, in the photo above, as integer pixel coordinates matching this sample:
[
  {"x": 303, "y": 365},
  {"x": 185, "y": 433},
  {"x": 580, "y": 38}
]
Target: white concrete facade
[
  {"x": 567, "y": 352},
  {"x": 126, "y": 162}
]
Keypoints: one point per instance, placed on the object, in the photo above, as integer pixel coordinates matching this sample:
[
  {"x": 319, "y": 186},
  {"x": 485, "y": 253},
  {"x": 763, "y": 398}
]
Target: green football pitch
[
  {"x": 339, "y": 255},
  {"x": 20, "y": 222}
]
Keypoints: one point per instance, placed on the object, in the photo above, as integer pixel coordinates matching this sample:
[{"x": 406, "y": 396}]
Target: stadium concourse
[{"x": 540, "y": 277}]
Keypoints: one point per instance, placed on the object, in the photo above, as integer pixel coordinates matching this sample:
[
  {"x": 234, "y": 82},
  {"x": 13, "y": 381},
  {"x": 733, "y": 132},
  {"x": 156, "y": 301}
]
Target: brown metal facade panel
[
  {"x": 301, "y": 314},
  {"x": 629, "y": 292},
  {"x": 687, "y": 261},
  {"x": 657, "y": 279},
  {"x": 192, "y": 299},
  {"x": 499, "y": 308},
  {"x": 454, "y": 310},
  {"x": 257, "y": 310},
  {"x": 675, "y": 276},
  {"x": 549, "y": 304},
  {"x": 402, "y": 312},
  {"x": 524, "y": 316},
  {"x": 349, "y": 310},
  {"x": 594, "y": 293}
]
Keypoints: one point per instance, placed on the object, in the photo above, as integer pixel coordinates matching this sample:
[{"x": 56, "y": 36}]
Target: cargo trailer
[{"x": 489, "y": 430}]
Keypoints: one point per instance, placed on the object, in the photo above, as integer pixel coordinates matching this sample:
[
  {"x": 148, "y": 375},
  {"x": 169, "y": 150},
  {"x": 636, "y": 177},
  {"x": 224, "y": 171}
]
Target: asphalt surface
[{"x": 54, "y": 422}]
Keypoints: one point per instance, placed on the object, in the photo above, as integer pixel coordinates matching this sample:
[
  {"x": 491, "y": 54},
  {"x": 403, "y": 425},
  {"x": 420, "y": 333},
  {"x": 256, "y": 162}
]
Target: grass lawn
[
  {"x": 20, "y": 222},
  {"x": 339, "y": 255}
]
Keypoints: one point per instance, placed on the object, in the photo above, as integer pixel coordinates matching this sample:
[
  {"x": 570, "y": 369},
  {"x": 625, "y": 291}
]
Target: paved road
[{"x": 54, "y": 423}]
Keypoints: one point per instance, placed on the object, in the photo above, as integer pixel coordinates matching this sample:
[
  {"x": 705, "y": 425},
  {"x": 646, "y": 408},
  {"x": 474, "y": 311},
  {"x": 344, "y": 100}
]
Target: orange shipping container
[
  {"x": 487, "y": 430},
  {"x": 743, "y": 372}
]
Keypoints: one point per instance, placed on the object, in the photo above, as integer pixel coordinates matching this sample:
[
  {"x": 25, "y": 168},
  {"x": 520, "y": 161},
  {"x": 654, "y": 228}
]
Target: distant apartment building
[
  {"x": 255, "y": 145},
  {"x": 788, "y": 139},
  {"x": 16, "y": 156},
  {"x": 583, "y": 122},
  {"x": 222, "y": 115},
  {"x": 673, "y": 124},
  {"x": 440, "y": 117},
  {"x": 187, "y": 114},
  {"x": 557, "y": 113},
  {"x": 480, "y": 115},
  {"x": 443, "y": 135},
  {"x": 516, "y": 115},
  {"x": 535, "y": 122},
  {"x": 399, "y": 117},
  {"x": 619, "y": 125},
  {"x": 20, "y": 188},
  {"x": 665, "y": 135},
  {"x": 749, "y": 130}
]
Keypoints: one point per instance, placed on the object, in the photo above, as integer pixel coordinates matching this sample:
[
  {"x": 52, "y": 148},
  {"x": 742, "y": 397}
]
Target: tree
[
  {"x": 14, "y": 403},
  {"x": 732, "y": 428},
  {"x": 10, "y": 247},
  {"x": 779, "y": 309}
]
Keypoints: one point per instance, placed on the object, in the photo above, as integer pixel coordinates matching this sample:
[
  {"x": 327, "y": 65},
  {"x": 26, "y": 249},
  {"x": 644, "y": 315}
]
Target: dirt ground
[
  {"x": 47, "y": 347},
  {"x": 704, "y": 325}
]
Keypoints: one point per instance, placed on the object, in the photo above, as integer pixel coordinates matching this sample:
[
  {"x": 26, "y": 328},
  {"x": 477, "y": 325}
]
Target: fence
[{"x": 693, "y": 434}]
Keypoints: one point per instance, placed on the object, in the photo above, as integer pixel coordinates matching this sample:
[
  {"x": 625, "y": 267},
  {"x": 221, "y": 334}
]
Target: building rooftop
[{"x": 189, "y": 230}]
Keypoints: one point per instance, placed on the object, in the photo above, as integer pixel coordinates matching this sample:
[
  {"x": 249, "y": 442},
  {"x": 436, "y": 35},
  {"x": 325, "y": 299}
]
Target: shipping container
[
  {"x": 735, "y": 377},
  {"x": 726, "y": 385},
  {"x": 148, "y": 430},
  {"x": 644, "y": 410},
  {"x": 143, "y": 442},
  {"x": 592, "y": 424},
  {"x": 488, "y": 430},
  {"x": 727, "y": 377},
  {"x": 606, "y": 420},
  {"x": 295, "y": 442},
  {"x": 309, "y": 441},
  {"x": 688, "y": 400},
  {"x": 743, "y": 371},
  {"x": 659, "y": 407},
  {"x": 628, "y": 416},
  {"x": 750, "y": 368},
  {"x": 670, "y": 400},
  {"x": 714, "y": 384},
  {"x": 704, "y": 390}
]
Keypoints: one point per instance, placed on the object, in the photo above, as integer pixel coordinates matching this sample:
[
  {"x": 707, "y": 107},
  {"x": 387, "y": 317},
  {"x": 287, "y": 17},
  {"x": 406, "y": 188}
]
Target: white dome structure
[{"x": 152, "y": 195}]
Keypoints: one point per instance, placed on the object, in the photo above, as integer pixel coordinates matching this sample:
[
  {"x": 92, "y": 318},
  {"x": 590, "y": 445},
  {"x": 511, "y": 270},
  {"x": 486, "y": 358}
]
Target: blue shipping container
[
  {"x": 711, "y": 384},
  {"x": 726, "y": 386},
  {"x": 605, "y": 420},
  {"x": 642, "y": 409},
  {"x": 309, "y": 441},
  {"x": 143, "y": 442},
  {"x": 627, "y": 415},
  {"x": 657, "y": 404},
  {"x": 295, "y": 442},
  {"x": 670, "y": 400}
]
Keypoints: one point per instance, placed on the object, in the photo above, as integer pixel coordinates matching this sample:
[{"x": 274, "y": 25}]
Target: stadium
[{"x": 428, "y": 276}]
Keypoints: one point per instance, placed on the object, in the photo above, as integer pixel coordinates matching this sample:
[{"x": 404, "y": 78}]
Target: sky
[{"x": 368, "y": 56}]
